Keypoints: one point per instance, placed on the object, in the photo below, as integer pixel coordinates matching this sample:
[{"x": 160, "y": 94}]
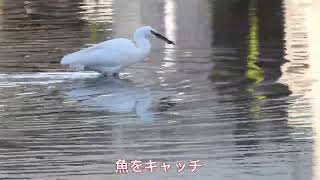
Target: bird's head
[{"x": 148, "y": 32}]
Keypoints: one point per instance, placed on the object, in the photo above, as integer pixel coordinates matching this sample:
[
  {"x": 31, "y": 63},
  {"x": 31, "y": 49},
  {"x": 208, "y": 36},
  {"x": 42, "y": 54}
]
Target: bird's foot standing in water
[
  {"x": 105, "y": 75},
  {"x": 111, "y": 75},
  {"x": 115, "y": 74}
]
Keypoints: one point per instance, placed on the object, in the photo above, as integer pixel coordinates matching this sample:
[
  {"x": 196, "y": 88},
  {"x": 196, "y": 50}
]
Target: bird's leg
[{"x": 115, "y": 74}]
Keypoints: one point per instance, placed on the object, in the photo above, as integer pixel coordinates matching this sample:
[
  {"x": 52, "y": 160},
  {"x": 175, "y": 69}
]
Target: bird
[{"x": 112, "y": 56}]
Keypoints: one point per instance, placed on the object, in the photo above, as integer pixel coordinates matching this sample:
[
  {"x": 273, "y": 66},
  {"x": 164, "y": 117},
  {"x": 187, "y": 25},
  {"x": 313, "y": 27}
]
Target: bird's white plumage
[
  {"x": 110, "y": 53},
  {"x": 111, "y": 56}
]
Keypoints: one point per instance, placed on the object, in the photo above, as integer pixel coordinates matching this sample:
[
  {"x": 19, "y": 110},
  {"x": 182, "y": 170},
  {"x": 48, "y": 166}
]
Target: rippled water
[{"x": 239, "y": 91}]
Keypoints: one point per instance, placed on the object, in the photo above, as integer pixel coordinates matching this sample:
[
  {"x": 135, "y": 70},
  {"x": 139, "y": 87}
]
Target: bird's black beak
[{"x": 158, "y": 35}]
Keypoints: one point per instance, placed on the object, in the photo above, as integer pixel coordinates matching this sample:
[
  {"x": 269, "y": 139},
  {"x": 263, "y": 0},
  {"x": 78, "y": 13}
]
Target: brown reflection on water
[
  {"x": 220, "y": 95},
  {"x": 31, "y": 35}
]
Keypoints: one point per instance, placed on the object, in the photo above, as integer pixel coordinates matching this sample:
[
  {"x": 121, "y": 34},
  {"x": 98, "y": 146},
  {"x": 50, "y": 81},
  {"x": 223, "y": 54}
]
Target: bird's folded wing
[{"x": 110, "y": 53}]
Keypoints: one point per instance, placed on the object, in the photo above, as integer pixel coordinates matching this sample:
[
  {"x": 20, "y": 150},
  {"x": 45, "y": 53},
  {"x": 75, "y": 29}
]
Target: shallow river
[{"x": 239, "y": 92}]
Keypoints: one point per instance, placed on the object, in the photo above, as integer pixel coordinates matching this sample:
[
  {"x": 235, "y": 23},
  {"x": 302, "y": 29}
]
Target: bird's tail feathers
[{"x": 66, "y": 60}]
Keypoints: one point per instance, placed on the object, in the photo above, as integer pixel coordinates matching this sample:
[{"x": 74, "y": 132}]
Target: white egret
[{"x": 110, "y": 57}]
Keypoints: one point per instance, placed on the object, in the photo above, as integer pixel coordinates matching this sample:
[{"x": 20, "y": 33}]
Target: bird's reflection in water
[{"x": 114, "y": 95}]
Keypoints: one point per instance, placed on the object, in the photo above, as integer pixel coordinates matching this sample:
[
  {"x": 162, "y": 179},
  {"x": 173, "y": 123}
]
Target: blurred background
[{"x": 239, "y": 91}]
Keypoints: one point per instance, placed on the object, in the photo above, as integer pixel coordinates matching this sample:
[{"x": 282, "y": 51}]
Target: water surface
[{"x": 239, "y": 91}]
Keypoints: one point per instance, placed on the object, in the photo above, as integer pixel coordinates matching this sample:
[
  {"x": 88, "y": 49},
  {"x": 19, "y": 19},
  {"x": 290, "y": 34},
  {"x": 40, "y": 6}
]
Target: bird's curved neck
[{"x": 142, "y": 43}]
